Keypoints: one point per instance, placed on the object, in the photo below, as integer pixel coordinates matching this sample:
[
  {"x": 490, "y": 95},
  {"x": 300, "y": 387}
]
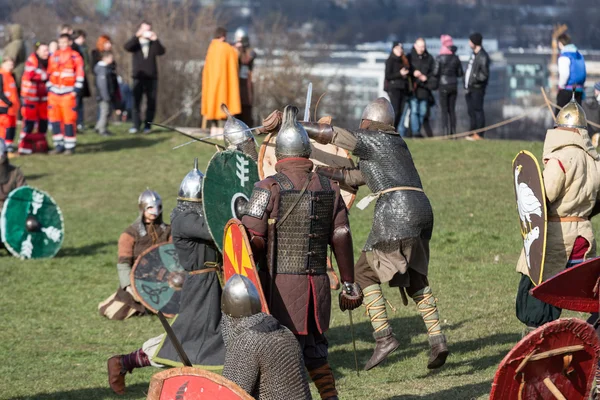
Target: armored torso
[
  {"x": 399, "y": 214},
  {"x": 303, "y": 237}
]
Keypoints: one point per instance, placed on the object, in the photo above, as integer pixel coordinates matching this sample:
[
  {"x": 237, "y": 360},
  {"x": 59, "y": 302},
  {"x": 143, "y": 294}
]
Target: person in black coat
[
  {"x": 397, "y": 83},
  {"x": 145, "y": 47},
  {"x": 449, "y": 70},
  {"x": 476, "y": 80},
  {"x": 424, "y": 77}
]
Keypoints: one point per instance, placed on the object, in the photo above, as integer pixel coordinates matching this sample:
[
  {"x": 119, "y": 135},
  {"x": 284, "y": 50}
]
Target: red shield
[
  {"x": 237, "y": 257},
  {"x": 573, "y": 289},
  {"x": 189, "y": 383},
  {"x": 559, "y": 357}
]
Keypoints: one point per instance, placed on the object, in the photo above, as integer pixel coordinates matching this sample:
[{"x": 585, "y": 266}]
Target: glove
[
  {"x": 351, "y": 296},
  {"x": 272, "y": 122}
]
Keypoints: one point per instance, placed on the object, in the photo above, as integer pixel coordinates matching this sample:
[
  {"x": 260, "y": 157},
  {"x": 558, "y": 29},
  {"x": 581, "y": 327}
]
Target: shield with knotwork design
[
  {"x": 31, "y": 224},
  {"x": 556, "y": 361},
  {"x": 228, "y": 184},
  {"x": 157, "y": 279},
  {"x": 238, "y": 259},
  {"x": 188, "y": 383}
]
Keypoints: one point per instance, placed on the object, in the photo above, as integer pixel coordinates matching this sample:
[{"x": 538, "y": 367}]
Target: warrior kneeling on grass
[
  {"x": 571, "y": 179},
  {"x": 397, "y": 249},
  {"x": 198, "y": 324}
]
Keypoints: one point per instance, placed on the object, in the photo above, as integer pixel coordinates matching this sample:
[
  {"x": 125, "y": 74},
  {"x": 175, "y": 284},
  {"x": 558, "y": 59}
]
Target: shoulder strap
[{"x": 296, "y": 200}]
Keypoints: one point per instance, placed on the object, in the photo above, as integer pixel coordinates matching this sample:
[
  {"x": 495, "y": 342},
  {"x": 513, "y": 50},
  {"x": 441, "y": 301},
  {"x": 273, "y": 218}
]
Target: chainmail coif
[{"x": 264, "y": 358}]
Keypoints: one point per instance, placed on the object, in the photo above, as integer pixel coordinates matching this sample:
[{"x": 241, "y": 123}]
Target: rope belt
[
  {"x": 556, "y": 218},
  {"x": 203, "y": 271},
  {"x": 361, "y": 205}
]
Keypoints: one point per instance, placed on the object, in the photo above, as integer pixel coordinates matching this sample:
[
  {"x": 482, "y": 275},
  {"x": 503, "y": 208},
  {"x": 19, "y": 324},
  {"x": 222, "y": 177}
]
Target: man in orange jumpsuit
[
  {"x": 66, "y": 76},
  {"x": 34, "y": 94},
  {"x": 9, "y": 103}
]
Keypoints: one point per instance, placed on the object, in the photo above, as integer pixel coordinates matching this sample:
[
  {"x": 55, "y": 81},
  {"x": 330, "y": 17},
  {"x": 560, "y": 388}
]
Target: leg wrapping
[
  {"x": 324, "y": 381},
  {"x": 426, "y": 305},
  {"x": 375, "y": 305}
]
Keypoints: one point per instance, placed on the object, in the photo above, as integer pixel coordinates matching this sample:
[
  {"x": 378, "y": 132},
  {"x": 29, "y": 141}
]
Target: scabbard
[{"x": 271, "y": 255}]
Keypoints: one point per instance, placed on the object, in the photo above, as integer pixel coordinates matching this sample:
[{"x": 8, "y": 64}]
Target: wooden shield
[
  {"x": 322, "y": 154},
  {"x": 188, "y": 383},
  {"x": 228, "y": 184},
  {"x": 531, "y": 206},
  {"x": 559, "y": 357},
  {"x": 238, "y": 259},
  {"x": 157, "y": 279},
  {"x": 573, "y": 289},
  {"x": 31, "y": 224}
]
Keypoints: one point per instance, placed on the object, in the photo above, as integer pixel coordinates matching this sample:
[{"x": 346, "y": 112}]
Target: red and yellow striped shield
[{"x": 237, "y": 257}]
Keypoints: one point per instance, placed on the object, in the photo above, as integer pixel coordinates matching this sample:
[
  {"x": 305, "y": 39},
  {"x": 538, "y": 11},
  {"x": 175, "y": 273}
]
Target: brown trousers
[{"x": 365, "y": 276}]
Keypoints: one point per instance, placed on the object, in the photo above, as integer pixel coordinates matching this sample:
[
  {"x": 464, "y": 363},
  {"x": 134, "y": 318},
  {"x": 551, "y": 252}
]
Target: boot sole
[
  {"x": 384, "y": 358},
  {"x": 439, "y": 361}
]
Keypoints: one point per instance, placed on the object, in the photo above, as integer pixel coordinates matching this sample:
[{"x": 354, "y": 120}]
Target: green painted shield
[
  {"x": 228, "y": 183},
  {"x": 158, "y": 279},
  {"x": 31, "y": 224}
]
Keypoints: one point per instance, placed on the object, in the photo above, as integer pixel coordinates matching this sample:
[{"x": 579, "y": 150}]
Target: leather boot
[
  {"x": 116, "y": 375},
  {"x": 438, "y": 351},
  {"x": 385, "y": 343}
]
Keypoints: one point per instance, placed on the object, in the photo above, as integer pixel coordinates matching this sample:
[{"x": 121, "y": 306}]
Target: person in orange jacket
[
  {"x": 9, "y": 103},
  {"x": 34, "y": 91},
  {"x": 66, "y": 77}
]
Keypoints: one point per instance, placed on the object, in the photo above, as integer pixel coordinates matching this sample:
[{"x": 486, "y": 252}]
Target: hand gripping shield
[
  {"x": 188, "y": 383},
  {"x": 228, "y": 184},
  {"x": 531, "y": 206},
  {"x": 238, "y": 258},
  {"x": 573, "y": 289},
  {"x": 31, "y": 224},
  {"x": 157, "y": 279},
  {"x": 557, "y": 359}
]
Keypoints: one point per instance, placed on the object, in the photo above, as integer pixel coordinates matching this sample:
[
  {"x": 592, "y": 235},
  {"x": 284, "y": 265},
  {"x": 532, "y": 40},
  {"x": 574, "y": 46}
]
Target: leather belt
[
  {"x": 555, "y": 218},
  {"x": 203, "y": 271}
]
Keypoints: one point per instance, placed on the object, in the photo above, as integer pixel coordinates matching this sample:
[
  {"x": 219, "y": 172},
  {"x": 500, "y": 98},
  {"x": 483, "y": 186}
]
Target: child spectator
[{"x": 107, "y": 90}]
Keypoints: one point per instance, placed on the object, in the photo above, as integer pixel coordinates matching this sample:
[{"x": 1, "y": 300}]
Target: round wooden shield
[
  {"x": 573, "y": 289},
  {"x": 238, "y": 259},
  {"x": 188, "y": 383},
  {"x": 322, "y": 154},
  {"x": 157, "y": 279},
  {"x": 31, "y": 224},
  {"x": 228, "y": 184},
  {"x": 531, "y": 206},
  {"x": 559, "y": 358}
]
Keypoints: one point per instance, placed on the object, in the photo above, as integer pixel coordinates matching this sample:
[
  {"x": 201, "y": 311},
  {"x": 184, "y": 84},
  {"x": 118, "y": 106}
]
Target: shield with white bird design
[{"x": 531, "y": 207}]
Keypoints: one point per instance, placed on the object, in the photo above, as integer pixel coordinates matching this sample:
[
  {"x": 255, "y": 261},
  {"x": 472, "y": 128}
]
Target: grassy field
[{"x": 54, "y": 345}]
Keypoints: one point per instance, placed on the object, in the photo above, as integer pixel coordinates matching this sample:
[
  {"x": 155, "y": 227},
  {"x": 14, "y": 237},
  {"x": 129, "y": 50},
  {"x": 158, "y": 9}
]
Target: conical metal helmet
[
  {"x": 150, "y": 199},
  {"x": 292, "y": 139},
  {"x": 236, "y": 131},
  {"x": 241, "y": 35},
  {"x": 571, "y": 116},
  {"x": 380, "y": 110},
  {"x": 191, "y": 186},
  {"x": 240, "y": 297}
]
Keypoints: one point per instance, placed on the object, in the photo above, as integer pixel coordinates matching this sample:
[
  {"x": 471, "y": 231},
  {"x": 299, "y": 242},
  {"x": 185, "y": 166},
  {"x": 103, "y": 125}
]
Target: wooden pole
[
  {"x": 548, "y": 104},
  {"x": 553, "y": 389}
]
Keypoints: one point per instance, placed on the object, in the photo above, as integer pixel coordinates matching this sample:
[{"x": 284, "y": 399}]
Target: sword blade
[
  {"x": 308, "y": 101},
  {"x": 184, "y": 358},
  {"x": 203, "y": 138},
  {"x": 353, "y": 342}
]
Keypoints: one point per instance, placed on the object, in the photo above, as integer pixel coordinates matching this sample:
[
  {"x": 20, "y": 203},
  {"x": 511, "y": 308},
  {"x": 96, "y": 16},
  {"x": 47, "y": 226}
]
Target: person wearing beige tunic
[{"x": 571, "y": 179}]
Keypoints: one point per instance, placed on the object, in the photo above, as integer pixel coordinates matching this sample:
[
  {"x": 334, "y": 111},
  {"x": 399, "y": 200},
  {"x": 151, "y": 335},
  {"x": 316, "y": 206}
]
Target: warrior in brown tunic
[
  {"x": 11, "y": 176},
  {"x": 146, "y": 231},
  {"x": 309, "y": 214}
]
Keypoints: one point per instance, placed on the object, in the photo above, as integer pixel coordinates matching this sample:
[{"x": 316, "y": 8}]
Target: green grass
[{"x": 54, "y": 345}]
